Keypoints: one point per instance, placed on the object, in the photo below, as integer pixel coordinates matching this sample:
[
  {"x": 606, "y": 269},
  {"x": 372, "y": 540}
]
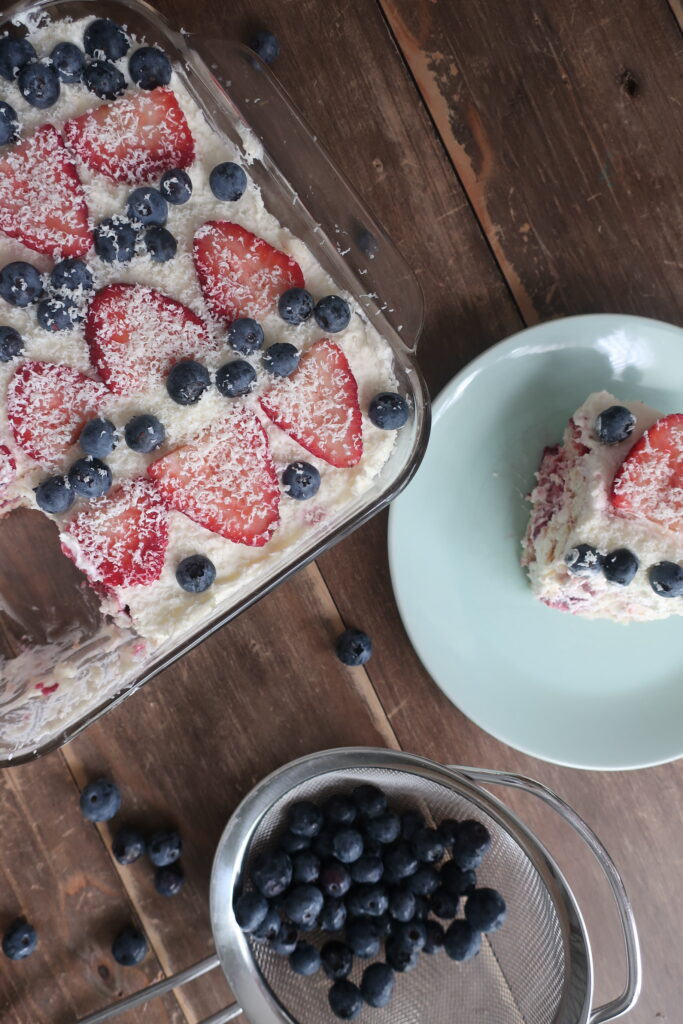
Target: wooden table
[{"x": 526, "y": 158}]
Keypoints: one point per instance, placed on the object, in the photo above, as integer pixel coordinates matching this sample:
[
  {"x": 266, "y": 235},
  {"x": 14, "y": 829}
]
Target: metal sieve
[{"x": 536, "y": 970}]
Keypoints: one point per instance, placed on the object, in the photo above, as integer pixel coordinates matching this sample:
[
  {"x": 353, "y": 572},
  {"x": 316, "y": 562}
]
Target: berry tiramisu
[{"x": 604, "y": 538}]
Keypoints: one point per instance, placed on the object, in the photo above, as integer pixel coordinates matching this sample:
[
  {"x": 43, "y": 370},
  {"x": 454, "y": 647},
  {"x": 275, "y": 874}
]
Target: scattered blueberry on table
[
  {"x": 354, "y": 647},
  {"x": 169, "y": 879},
  {"x": 20, "y": 940},
  {"x": 129, "y": 948},
  {"x": 164, "y": 848},
  {"x": 128, "y": 845},
  {"x": 100, "y": 800},
  {"x": 266, "y": 45}
]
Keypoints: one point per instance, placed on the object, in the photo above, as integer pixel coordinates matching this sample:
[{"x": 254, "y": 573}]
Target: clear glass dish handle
[{"x": 628, "y": 998}]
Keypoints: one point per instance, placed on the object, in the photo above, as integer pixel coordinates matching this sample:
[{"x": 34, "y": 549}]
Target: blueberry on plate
[
  {"x": 187, "y": 381},
  {"x": 54, "y": 495},
  {"x": 104, "y": 79},
  {"x": 176, "y": 186},
  {"x": 271, "y": 873},
  {"x": 303, "y": 904},
  {"x": 58, "y": 314},
  {"x": 424, "y": 881},
  {"x": 105, "y": 38},
  {"x": 268, "y": 928},
  {"x": 362, "y": 938},
  {"x": 305, "y": 867},
  {"x": 443, "y": 903},
  {"x": 400, "y": 955},
  {"x": 614, "y": 424},
  {"x": 14, "y": 54},
  {"x": 250, "y": 910},
  {"x": 333, "y": 915},
  {"x": 68, "y": 61},
  {"x": 301, "y": 480},
  {"x": 128, "y": 845},
  {"x": 164, "y": 848},
  {"x": 285, "y": 940},
  {"x": 89, "y": 477},
  {"x": 332, "y": 314},
  {"x": 399, "y": 862},
  {"x": 144, "y": 433},
  {"x": 293, "y": 844},
  {"x": 115, "y": 239},
  {"x": 281, "y": 359},
  {"x": 427, "y": 845},
  {"x": 485, "y": 910},
  {"x": 583, "y": 560},
  {"x": 228, "y": 181},
  {"x": 20, "y": 284},
  {"x": 304, "y": 818},
  {"x": 195, "y": 574},
  {"x": 354, "y": 647},
  {"x": 71, "y": 275},
  {"x": 149, "y": 67},
  {"x": 129, "y": 947},
  {"x": 388, "y": 411},
  {"x": 377, "y": 985},
  {"x": 347, "y": 845},
  {"x": 266, "y": 45},
  {"x": 402, "y": 904},
  {"x": 305, "y": 959},
  {"x": 100, "y": 800},
  {"x": 340, "y": 810},
  {"x": 160, "y": 245},
  {"x": 146, "y": 205},
  {"x": 336, "y": 959},
  {"x": 367, "y": 870},
  {"x": 411, "y": 821},
  {"x": 9, "y": 124},
  {"x": 620, "y": 566},
  {"x": 20, "y": 940},
  {"x": 666, "y": 579},
  {"x": 435, "y": 937},
  {"x": 245, "y": 336},
  {"x": 295, "y": 305},
  {"x": 98, "y": 437},
  {"x": 236, "y": 378},
  {"x": 471, "y": 844},
  {"x": 169, "y": 880},
  {"x": 334, "y": 879},
  {"x": 461, "y": 941},
  {"x": 11, "y": 344},
  {"x": 384, "y": 829}
]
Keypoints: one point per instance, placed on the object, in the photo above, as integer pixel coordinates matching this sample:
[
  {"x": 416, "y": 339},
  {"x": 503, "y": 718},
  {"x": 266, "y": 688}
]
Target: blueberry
[
  {"x": 456, "y": 880},
  {"x": 368, "y": 900},
  {"x": 285, "y": 940},
  {"x": 367, "y": 242},
  {"x": 424, "y": 881},
  {"x": 367, "y": 869},
  {"x": 421, "y": 908},
  {"x": 129, "y": 947},
  {"x": 412, "y": 933},
  {"x": 340, "y": 810},
  {"x": 427, "y": 845},
  {"x": 71, "y": 275},
  {"x": 245, "y": 336},
  {"x": 448, "y": 830},
  {"x": 333, "y": 915},
  {"x": 11, "y": 344},
  {"x": 271, "y": 873},
  {"x": 160, "y": 244},
  {"x": 176, "y": 186},
  {"x": 98, "y": 438},
  {"x": 385, "y": 828},
  {"x": 54, "y": 495},
  {"x": 377, "y": 985},
  {"x": 228, "y": 181},
  {"x": 443, "y": 903},
  {"x": 169, "y": 880},
  {"x": 68, "y": 61},
  {"x": 332, "y": 314},
  {"x": 402, "y": 904},
  {"x": 471, "y": 844},
  {"x": 20, "y": 284},
  {"x": 411, "y": 821},
  {"x": 115, "y": 240},
  {"x": 20, "y": 940},
  {"x": 9, "y": 124},
  {"x": 293, "y": 844},
  {"x": 303, "y": 904},
  {"x": 322, "y": 844},
  {"x": 149, "y": 67},
  {"x": 187, "y": 381},
  {"x": 347, "y": 845},
  {"x": 39, "y": 84},
  {"x": 461, "y": 941},
  {"x": 58, "y": 314},
  {"x": 89, "y": 477},
  {"x": 295, "y": 305},
  {"x": 104, "y": 80},
  {"x": 301, "y": 480},
  {"x": 147, "y": 206},
  {"x": 400, "y": 955},
  {"x": 236, "y": 378},
  {"x": 305, "y": 959},
  {"x": 280, "y": 359},
  {"x": 105, "y": 38},
  {"x": 336, "y": 959},
  {"x": 14, "y": 54},
  {"x": 164, "y": 848},
  {"x": 128, "y": 845},
  {"x": 620, "y": 566},
  {"x": 266, "y": 45},
  {"x": 345, "y": 1000},
  {"x": 362, "y": 938},
  {"x": 614, "y": 424},
  {"x": 583, "y": 560},
  {"x": 354, "y": 647},
  {"x": 195, "y": 574},
  {"x": 435, "y": 937},
  {"x": 485, "y": 910},
  {"x": 251, "y": 909},
  {"x": 100, "y": 800},
  {"x": 305, "y": 818},
  {"x": 388, "y": 411},
  {"x": 334, "y": 878},
  {"x": 269, "y": 927},
  {"x": 400, "y": 861},
  {"x": 666, "y": 579},
  {"x": 144, "y": 433},
  {"x": 305, "y": 867}
]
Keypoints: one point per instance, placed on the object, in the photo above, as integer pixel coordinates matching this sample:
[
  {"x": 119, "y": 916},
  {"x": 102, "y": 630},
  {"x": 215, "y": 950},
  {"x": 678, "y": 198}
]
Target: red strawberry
[
  {"x": 224, "y": 479},
  {"x": 318, "y": 405},
  {"x": 134, "y": 139},
  {"x": 7, "y": 468},
  {"x": 41, "y": 199},
  {"x": 241, "y": 274},
  {"x": 120, "y": 540},
  {"x": 136, "y": 334},
  {"x": 649, "y": 482},
  {"x": 47, "y": 404}
]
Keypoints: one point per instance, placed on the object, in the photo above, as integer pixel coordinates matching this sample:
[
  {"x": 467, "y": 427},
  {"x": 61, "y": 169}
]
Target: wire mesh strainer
[{"x": 536, "y": 970}]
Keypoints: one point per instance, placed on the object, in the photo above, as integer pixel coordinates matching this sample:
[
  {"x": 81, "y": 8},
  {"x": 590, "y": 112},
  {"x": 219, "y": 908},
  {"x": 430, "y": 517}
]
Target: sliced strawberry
[
  {"x": 241, "y": 274},
  {"x": 136, "y": 334},
  {"x": 8, "y": 468},
  {"x": 318, "y": 405},
  {"x": 41, "y": 199},
  {"x": 134, "y": 139},
  {"x": 120, "y": 540},
  {"x": 224, "y": 479},
  {"x": 649, "y": 482},
  {"x": 47, "y": 405}
]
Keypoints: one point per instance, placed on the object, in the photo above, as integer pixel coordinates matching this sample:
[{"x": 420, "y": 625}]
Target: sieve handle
[{"x": 627, "y": 1000}]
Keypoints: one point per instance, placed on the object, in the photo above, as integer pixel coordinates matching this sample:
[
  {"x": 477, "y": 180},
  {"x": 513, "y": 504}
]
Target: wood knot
[{"x": 629, "y": 83}]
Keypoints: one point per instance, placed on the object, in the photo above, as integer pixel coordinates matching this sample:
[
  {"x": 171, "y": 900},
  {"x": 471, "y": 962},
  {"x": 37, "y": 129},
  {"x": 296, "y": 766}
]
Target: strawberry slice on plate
[
  {"x": 42, "y": 202},
  {"x": 120, "y": 540},
  {"x": 240, "y": 274},
  {"x": 224, "y": 479},
  {"x": 136, "y": 334},
  {"x": 134, "y": 139},
  {"x": 47, "y": 405},
  {"x": 8, "y": 468},
  {"x": 649, "y": 482},
  {"x": 318, "y": 405}
]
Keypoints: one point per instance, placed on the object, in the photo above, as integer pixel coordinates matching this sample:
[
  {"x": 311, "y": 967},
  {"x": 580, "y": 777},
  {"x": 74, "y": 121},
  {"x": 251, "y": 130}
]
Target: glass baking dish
[{"x": 48, "y": 615}]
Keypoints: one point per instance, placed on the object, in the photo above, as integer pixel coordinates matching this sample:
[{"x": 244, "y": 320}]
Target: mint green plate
[{"x": 589, "y": 694}]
